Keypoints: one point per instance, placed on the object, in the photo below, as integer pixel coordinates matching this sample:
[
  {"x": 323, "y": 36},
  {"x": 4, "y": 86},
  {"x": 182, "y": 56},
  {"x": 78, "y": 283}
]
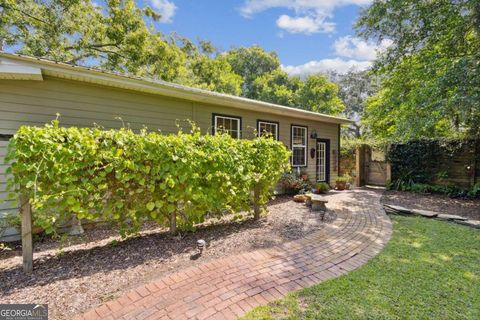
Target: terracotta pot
[
  {"x": 299, "y": 198},
  {"x": 340, "y": 185}
]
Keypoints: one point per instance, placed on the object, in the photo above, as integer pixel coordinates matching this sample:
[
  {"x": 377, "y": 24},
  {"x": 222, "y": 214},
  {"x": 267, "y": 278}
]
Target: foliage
[
  {"x": 126, "y": 178},
  {"x": 402, "y": 282},
  {"x": 474, "y": 192},
  {"x": 294, "y": 184},
  {"x": 276, "y": 87},
  {"x": 430, "y": 73},
  {"x": 345, "y": 178},
  {"x": 448, "y": 189},
  {"x": 319, "y": 95},
  {"x": 251, "y": 63},
  {"x": 429, "y": 162},
  {"x": 117, "y": 37},
  {"x": 355, "y": 87},
  {"x": 314, "y": 93},
  {"x": 414, "y": 161},
  {"x": 215, "y": 75},
  {"x": 322, "y": 187}
]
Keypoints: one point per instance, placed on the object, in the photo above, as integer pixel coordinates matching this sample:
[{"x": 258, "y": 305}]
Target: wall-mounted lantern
[{"x": 313, "y": 134}]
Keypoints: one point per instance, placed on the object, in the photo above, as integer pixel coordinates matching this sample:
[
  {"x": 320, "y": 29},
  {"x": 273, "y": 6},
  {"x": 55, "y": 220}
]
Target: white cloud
[
  {"x": 321, "y": 66},
  {"x": 351, "y": 54},
  {"x": 305, "y": 24},
  {"x": 356, "y": 48},
  {"x": 165, "y": 8},
  {"x": 311, "y": 16}
]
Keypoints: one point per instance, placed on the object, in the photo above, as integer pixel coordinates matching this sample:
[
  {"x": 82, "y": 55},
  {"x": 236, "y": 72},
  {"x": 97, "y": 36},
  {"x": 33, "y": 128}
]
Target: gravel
[{"x": 99, "y": 265}]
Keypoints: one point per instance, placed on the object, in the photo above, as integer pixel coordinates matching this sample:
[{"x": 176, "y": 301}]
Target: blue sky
[{"x": 309, "y": 35}]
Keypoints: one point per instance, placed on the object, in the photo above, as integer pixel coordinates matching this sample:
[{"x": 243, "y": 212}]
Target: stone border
[{"x": 394, "y": 209}]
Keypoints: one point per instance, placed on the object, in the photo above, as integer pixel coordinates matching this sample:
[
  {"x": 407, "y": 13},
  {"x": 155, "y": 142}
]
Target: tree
[
  {"x": 79, "y": 31},
  {"x": 355, "y": 88},
  {"x": 251, "y": 63},
  {"x": 277, "y": 87},
  {"x": 431, "y": 72},
  {"x": 116, "y": 36},
  {"x": 215, "y": 74},
  {"x": 319, "y": 95}
]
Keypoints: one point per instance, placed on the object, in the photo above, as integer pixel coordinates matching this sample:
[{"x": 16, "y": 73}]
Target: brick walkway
[{"x": 229, "y": 287}]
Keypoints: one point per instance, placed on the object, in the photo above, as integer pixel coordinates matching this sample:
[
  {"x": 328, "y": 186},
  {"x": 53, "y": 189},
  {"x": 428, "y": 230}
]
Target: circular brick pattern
[{"x": 229, "y": 287}]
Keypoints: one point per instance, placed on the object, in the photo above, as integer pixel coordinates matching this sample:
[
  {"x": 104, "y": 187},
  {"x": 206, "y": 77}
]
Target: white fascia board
[{"x": 17, "y": 71}]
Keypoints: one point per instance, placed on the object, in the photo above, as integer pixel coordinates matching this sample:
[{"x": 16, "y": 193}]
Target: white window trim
[
  {"x": 239, "y": 121},
  {"x": 269, "y": 123},
  {"x": 300, "y": 145}
]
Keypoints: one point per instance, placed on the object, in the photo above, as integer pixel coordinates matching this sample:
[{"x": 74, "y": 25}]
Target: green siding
[{"x": 81, "y": 104}]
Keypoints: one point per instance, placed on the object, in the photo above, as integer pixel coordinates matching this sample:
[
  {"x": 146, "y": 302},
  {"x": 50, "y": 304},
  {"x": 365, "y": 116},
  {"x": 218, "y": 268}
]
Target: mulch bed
[
  {"x": 99, "y": 266},
  {"x": 434, "y": 202}
]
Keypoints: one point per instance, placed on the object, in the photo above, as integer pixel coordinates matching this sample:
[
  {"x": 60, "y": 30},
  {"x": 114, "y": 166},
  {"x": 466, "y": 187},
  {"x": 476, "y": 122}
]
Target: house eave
[
  {"x": 95, "y": 76},
  {"x": 16, "y": 71}
]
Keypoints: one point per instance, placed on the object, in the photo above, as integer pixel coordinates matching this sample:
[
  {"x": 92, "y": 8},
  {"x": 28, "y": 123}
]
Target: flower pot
[{"x": 340, "y": 185}]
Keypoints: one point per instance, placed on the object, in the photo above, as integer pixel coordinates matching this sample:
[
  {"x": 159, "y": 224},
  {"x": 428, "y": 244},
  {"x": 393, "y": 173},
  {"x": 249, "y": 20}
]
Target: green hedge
[
  {"x": 438, "y": 166},
  {"x": 127, "y": 178}
]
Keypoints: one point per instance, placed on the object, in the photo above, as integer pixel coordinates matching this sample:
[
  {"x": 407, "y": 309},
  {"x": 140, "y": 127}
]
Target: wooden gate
[{"x": 372, "y": 167}]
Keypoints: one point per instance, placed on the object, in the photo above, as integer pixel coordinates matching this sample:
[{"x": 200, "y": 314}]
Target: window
[
  {"x": 299, "y": 146},
  {"x": 228, "y": 124},
  {"x": 267, "y": 128}
]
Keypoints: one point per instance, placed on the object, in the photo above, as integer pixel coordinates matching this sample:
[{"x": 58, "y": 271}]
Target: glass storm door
[{"x": 322, "y": 156}]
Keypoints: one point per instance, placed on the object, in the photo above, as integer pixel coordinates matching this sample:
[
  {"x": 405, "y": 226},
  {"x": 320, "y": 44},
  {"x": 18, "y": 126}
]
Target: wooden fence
[{"x": 437, "y": 162}]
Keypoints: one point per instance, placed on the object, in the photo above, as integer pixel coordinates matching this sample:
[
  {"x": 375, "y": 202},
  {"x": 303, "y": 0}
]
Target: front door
[{"x": 323, "y": 160}]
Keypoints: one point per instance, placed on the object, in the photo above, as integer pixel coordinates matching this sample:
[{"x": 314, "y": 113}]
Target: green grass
[{"x": 429, "y": 270}]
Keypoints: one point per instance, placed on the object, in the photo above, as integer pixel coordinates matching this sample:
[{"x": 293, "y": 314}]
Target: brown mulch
[
  {"x": 469, "y": 208},
  {"x": 99, "y": 266}
]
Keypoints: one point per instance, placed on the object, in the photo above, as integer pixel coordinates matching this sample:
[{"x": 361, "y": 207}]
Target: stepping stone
[
  {"x": 450, "y": 217},
  {"x": 469, "y": 223},
  {"x": 425, "y": 213},
  {"x": 399, "y": 208}
]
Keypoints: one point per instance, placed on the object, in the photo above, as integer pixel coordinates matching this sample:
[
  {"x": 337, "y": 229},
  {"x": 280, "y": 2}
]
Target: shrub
[
  {"x": 322, "y": 187},
  {"x": 345, "y": 178},
  {"x": 294, "y": 184},
  {"x": 126, "y": 178},
  {"x": 450, "y": 190}
]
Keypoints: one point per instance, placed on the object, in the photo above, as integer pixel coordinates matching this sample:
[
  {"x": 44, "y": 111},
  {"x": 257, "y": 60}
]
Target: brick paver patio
[{"x": 229, "y": 287}]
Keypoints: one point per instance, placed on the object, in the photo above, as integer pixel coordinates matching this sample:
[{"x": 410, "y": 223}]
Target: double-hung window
[
  {"x": 299, "y": 146},
  {"x": 267, "y": 128},
  {"x": 227, "y": 124}
]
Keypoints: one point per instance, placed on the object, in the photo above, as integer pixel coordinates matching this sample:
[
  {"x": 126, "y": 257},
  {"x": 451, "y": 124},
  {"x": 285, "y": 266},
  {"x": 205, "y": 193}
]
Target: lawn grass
[{"x": 429, "y": 270}]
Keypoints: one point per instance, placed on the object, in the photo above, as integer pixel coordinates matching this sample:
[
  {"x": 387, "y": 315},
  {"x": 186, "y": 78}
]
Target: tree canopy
[
  {"x": 431, "y": 72},
  {"x": 116, "y": 35},
  {"x": 355, "y": 87}
]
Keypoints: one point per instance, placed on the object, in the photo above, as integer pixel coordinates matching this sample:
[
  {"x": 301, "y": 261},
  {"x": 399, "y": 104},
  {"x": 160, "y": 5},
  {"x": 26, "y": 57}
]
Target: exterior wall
[{"x": 80, "y": 104}]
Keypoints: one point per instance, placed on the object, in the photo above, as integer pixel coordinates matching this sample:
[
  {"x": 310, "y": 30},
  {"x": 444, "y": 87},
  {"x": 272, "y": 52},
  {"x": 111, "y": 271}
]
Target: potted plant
[
  {"x": 294, "y": 184},
  {"x": 291, "y": 183},
  {"x": 322, "y": 187},
  {"x": 341, "y": 182}
]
